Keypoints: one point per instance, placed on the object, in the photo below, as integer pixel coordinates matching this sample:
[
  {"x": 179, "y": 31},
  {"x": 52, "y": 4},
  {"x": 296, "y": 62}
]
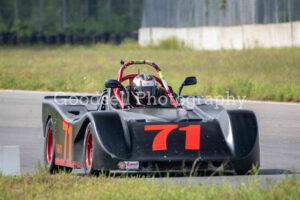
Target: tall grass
[
  {"x": 262, "y": 74},
  {"x": 68, "y": 186}
]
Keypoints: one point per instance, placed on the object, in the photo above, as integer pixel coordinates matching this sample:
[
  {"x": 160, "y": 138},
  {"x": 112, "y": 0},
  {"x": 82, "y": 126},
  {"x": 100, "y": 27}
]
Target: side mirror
[
  {"x": 191, "y": 80},
  {"x": 112, "y": 84}
]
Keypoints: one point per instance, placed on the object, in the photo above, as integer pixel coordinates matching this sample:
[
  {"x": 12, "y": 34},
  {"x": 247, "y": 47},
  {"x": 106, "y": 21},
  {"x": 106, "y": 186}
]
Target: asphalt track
[{"x": 279, "y": 127}]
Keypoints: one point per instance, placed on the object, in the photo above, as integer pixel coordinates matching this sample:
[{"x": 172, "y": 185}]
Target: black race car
[{"x": 107, "y": 132}]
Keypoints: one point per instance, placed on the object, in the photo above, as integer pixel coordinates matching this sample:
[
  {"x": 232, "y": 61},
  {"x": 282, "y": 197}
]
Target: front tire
[{"x": 88, "y": 151}]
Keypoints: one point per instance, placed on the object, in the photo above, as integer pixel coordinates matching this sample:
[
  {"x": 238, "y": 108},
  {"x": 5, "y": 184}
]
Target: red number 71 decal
[
  {"x": 192, "y": 137},
  {"x": 67, "y": 127}
]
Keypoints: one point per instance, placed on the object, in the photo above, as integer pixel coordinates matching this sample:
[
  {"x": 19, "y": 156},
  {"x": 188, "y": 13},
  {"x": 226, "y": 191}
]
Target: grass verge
[
  {"x": 262, "y": 74},
  {"x": 67, "y": 186}
]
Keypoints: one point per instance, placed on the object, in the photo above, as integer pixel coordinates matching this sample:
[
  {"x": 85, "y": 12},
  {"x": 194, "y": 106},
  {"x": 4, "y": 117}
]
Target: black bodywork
[{"x": 227, "y": 137}]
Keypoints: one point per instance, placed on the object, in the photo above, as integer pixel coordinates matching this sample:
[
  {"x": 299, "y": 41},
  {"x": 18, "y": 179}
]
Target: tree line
[{"x": 68, "y": 21}]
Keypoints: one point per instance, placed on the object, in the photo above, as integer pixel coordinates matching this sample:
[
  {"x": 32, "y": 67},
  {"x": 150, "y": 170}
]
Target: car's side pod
[
  {"x": 246, "y": 139},
  {"x": 113, "y": 138}
]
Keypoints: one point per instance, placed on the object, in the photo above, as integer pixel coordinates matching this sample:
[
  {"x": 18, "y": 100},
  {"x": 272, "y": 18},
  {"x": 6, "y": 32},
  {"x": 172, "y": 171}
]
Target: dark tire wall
[{"x": 11, "y": 38}]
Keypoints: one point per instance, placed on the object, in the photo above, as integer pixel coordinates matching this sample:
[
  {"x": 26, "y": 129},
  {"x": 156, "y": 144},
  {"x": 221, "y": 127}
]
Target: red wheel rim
[
  {"x": 89, "y": 150},
  {"x": 49, "y": 145}
]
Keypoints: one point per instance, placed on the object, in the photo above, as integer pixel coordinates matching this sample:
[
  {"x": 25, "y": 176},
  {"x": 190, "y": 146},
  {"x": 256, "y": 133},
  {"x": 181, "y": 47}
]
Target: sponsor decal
[
  {"x": 62, "y": 162},
  {"x": 122, "y": 165},
  {"x": 58, "y": 148},
  {"x": 147, "y": 83},
  {"x": 129, "y": 165}
]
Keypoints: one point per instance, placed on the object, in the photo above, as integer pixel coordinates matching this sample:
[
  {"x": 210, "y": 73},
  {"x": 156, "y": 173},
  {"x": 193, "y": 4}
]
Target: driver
[{"x": 144, "y": 89}]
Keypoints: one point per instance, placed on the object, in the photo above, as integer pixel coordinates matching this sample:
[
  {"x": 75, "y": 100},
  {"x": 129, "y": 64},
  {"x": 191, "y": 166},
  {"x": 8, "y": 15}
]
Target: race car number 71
[{"x": 192, "y": 137}]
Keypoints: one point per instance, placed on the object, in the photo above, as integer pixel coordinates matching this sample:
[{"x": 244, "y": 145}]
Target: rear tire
[
  {"x": 49, "y": 151},
  {"x": 88, "y": 151},
  {"x": 49, "y": 144}
]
